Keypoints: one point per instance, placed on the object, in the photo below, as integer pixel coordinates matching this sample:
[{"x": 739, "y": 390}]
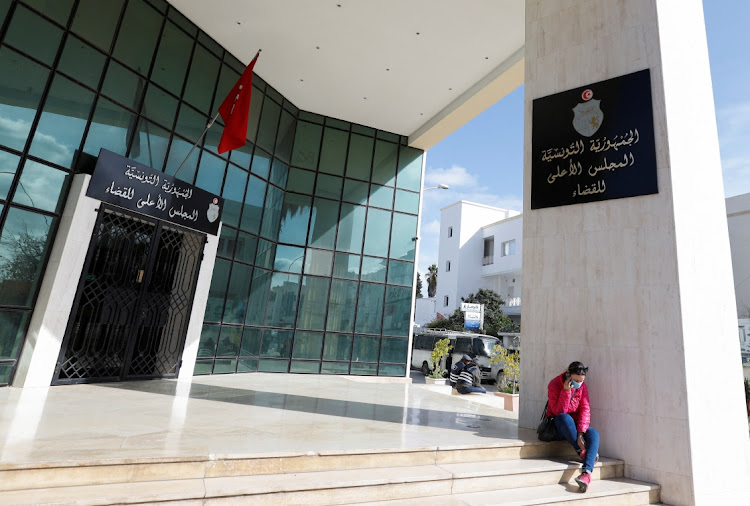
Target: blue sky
[{"x": 483, "y": 161}]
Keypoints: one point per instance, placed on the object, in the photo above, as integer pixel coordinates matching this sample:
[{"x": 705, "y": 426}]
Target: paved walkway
[{"x": 242, "y": 414}]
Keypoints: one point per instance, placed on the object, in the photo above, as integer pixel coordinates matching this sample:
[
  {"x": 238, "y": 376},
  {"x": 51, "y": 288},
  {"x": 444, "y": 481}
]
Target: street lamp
[{"x": 440, "y": 187}]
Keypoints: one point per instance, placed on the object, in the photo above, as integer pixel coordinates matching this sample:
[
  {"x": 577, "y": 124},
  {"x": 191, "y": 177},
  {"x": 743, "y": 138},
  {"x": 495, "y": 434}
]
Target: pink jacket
[{"x": 573, "y": 402}]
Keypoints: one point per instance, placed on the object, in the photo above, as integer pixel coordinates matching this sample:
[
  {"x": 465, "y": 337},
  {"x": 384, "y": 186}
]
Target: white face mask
[{"x": 575, "y": 384}]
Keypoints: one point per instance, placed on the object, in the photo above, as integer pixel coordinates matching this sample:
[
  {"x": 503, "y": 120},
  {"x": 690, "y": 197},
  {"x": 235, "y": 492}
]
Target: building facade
[{"x": 315, "y": 259}]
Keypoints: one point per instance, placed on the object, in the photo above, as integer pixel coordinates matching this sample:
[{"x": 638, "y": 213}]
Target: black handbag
[{"x": 546, "y": 430}]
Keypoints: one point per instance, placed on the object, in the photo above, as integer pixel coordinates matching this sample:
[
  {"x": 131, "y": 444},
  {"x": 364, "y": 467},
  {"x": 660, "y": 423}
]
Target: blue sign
[{"x": 471, "y": 324}]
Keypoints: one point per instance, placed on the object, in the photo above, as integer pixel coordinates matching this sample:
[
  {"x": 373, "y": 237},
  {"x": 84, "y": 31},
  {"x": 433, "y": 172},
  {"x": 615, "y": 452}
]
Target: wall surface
[
  {"x": 622, "y": 284},
  {"x": 738, "y": 220}
]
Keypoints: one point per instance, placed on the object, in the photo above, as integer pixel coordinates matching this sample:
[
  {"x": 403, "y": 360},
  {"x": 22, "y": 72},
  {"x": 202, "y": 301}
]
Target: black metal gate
[{"x": 133, "y": 303}]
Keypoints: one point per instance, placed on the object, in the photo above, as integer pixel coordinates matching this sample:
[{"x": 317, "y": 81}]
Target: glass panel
[
  {"x": 370, "y": 308},
  {"x": 150, "y": 145},
  {"x": 269, "y": 122},
  {"x": 301, "y": 181},
  {"x": 261, "y": 164},
  {"x": 337, "y": 347},
  {"x": 234, "y": 190},
  {"x": 33, "y": 35},
  {"x": 8, "y": 167},
  {"x": 4, "y": 6},
  {"x": 282, "y": 300},
  {"x": 253, "y": 120},
  {"x": 295, "y": 217},
  {"x": 40, "y": 187},
  {"x": 60, "y": 128},
  {"x": 82, "y": 62},
  {"x": 209, "y": 338},
  {"x": 241, "y": 156},
  {"x": 160, "y": 106},
  {"x": 213, "y": 138},
  {"x": 400, "y": 273},
  {"x": 227, "y": 242},
  {"x": 355, "y": 191},
  {"x": 373, "y": 269},
  {"x": 246, "y": 245},
  {"x": 59, "y": 10},
  {"x": 272, "y": 214},
  {"x": 318, "y": 262},
  {"x": 211, "y": 173},
  {"x": 310, "y": 116},
  {"x": 96, "y": 21},
  {"x": 276, "y": 344},
  {"x": 381, "y": 196},
  {"x": 109, "y": 129},
  {"x": 384, "y": 163},
  {"x": 253, "y": 206},
  {"x": 334, "y": 368},
  {"x": 181, "y": 20},
  {"x": 178, "y": 152},
  {"x": 209, "y": 43},
  {"x": 228, "y": 77},
  {"x": 239, "y": 286},
  {"x": 23, "y": 80},
  {"x": 190, "y": 123},
  {"x": 172, "y": 59},
  {"x": 298, "y": 366},
  {"x": 273, "y": 366},
  {"x": 392, "y": 370},
  {"x": 306, "y": 145},
  {"x": 266, "y": 254},
  {"x": 364, "y": 369},
  {"x": 341, "y": 304},
  {"x": 256, "y": 309},
  {"x": 279, "y": 173},
  {"x": 397, "y": 312},
  {"x": 313, "y": 299},
  {"x": 218, "y": 291},
  {"x": 289, "y": 259},
  {"x": 346, "y": 266},
  {"x": 351, "y": 228},
  {"x": 308, "y": 345},
  {"x": 407, "y": 202},
  {"x": 285, "y": 137},
  {"x": 274, "y": 94},
  {"x": 394, "y": 350},
  {"x": 361, "y": 129},
  {"x": 23, "y": 248},
  {"x": 12, "y": 329},
  {"x": 360, "y": 157},
  {"x": 136, "y": 40},
  {"x": 337, "y": 123},
  {"x": 387, "y": 136},
  {"x": 409, "y": 169},
  {"x": 251, "y": 342},
  {"x": 329, "y": 186},
  {"x": 366, "y": 349},
  {"x": 376, "y": 236},
  {"x": 333, "y": 151},
  {"x": 325, "y": 217},
  {"x": 203, "y": 367},
  {"x": 247, "y": 365},
  {"x": 202, "y": 78},
  {"x": 403, "y": 231},
  {"x": 229, "y": 342},
  {"x": 225, "y": 366},
  {"x": 124, "y": 86}
]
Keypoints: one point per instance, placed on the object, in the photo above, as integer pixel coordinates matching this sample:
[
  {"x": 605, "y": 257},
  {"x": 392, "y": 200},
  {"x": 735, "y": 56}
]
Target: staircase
[{"x": 510, "y": 473}]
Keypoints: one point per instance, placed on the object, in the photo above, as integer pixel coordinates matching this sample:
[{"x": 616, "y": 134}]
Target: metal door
[{"x": 133, "y": 303}]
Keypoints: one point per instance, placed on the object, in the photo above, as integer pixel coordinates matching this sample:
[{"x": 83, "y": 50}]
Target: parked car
[{"x": 478, "y": 345}]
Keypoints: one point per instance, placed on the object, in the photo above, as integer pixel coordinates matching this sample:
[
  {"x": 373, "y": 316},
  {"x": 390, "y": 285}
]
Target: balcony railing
[
  {"x": 513, "y": 302},
  {"x": 488, "y": 260}
]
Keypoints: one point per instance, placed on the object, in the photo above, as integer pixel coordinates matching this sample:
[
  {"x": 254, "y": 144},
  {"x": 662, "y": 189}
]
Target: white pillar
[{"x": 640, "y": 288}]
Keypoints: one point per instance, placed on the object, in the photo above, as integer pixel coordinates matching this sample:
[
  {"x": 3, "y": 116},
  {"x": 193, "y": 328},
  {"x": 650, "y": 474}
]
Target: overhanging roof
[{"x": 420, "y": 68}]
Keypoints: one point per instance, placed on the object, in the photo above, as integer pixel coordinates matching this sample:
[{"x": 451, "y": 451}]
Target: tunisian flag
[{"x": 235, "y": 110}]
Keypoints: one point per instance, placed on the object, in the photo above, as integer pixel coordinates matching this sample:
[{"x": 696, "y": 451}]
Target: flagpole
[{"x": 210, "y": 124}]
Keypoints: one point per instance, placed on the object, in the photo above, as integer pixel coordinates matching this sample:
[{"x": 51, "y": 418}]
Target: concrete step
[{"x": 343, "y": 486}]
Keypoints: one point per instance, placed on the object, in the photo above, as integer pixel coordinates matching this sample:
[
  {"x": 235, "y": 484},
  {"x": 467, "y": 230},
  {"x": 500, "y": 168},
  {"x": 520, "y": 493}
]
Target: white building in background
[
  {"x": 480, "y": 247},
  {"x": 738, "y": 221}
]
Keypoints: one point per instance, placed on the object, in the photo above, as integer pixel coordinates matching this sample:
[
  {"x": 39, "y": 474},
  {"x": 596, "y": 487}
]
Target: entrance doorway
[{"x": 133, "y": 303}]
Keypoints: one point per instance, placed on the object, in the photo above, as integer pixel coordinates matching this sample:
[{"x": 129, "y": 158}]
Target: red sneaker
[{"x": 584, "y": 480}]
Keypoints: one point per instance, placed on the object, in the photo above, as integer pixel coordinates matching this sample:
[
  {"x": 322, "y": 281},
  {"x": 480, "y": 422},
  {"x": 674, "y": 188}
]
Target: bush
[
  {"x": 510, "y": 360},
  {"x": 441, "y": 349}
]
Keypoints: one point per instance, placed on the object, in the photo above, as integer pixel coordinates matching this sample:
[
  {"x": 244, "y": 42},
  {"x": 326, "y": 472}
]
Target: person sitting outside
[
  {"x": 465, "y": 376},
  {"x": 569, "y": 404}
]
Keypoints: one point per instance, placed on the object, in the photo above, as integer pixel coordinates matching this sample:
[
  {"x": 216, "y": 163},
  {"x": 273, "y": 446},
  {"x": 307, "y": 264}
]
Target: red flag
[{"x": 235, "y": 110}]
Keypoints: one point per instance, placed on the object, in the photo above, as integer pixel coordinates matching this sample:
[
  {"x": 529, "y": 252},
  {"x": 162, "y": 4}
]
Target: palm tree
[{"x": 431, "y": 280}]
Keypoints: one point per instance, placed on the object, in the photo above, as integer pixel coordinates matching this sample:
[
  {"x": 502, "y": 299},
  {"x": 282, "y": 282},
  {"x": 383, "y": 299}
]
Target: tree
[
  {"x": 419, "y": 286},
  {"x": 511, "y": 364},
  {"x": 431, "y": 280},
  {"x": 441, "y": 349},
  {"x": 495, "y": 320}
]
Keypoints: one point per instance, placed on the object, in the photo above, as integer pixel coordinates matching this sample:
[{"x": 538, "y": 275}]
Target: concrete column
[{"x": 640, "y": 289}]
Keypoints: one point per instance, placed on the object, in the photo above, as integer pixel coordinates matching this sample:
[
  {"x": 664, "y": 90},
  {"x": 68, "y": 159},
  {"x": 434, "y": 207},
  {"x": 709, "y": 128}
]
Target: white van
[{"x": 478, "y": 345}]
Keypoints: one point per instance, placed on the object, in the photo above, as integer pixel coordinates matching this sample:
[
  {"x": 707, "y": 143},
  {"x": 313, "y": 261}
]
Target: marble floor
[{"x": 240, "y": 415}]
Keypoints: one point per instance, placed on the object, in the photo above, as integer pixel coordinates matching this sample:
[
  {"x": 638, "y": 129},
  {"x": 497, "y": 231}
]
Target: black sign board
[
  {"x": 132, "y": 185},
  {"x": 594, "y": 143}
]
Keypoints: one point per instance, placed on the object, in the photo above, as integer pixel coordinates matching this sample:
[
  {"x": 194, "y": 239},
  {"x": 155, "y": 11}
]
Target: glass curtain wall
[{"x": 316, "y": 254}]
